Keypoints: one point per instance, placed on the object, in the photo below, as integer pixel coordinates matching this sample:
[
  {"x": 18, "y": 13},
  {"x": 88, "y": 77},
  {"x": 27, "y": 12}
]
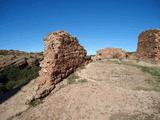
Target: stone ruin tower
[
  {"x": 62, "y": 55},
  {"x": 149, "y": 46}
]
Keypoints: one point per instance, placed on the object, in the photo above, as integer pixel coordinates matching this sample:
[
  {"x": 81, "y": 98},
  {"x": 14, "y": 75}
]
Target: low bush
[
  {"x": 72, "y": 78},
  {"x": 35, "y": 103},
  {"x": 13, "y": 77}
]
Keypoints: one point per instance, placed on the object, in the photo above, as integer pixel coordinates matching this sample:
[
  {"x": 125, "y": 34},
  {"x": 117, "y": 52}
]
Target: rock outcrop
[
  {"x": 109, "y": 53},
  {"x": 18, "y": 58},
  {"x": 62, "y": 55},
  {"x": 149, "y": 46}
]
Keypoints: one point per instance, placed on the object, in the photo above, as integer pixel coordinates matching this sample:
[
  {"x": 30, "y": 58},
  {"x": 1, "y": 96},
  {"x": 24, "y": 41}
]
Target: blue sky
[{"x": 97, "y": 23}]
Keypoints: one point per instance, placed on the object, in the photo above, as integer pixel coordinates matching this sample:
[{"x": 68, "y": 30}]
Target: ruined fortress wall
[
  {"x": 109, "y": 53},
  {"x": 149, "y": 46},
  {"x": 62, "y": 55}
]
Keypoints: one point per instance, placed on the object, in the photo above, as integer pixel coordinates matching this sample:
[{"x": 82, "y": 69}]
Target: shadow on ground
[
  {"x": 13, "y": 78},
  {"x": 5, "y": 96}
]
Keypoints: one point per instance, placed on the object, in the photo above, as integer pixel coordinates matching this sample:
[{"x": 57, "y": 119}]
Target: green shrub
[
  {"x": 10, "y": 84},
  {"x": 13, "y": 77},
  {"x": 154, "y": 71},
  {"x": 35, "y": 103},
  {"x": 72, "y": 78}
]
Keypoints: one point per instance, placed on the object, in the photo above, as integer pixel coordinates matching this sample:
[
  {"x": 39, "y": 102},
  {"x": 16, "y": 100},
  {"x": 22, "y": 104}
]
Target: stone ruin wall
[
  {"x": 149, "y": 46},
  {"x": 62, "y": 55},
  {"x": 109, "y": 53}
]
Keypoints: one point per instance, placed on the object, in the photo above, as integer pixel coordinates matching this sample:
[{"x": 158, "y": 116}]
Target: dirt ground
[{"x": 103, "y": 91}]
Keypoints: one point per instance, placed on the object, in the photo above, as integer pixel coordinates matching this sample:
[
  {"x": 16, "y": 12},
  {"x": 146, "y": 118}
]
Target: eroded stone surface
[
  {"x": 62, "y": 55},
  {"x": 109, "y": 53},
  {"x": 18, "y": 58},
  {"x": 149, "y": 45}
]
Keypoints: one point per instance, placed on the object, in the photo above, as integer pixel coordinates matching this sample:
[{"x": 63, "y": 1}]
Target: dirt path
[{"x": 109, "y": 91}]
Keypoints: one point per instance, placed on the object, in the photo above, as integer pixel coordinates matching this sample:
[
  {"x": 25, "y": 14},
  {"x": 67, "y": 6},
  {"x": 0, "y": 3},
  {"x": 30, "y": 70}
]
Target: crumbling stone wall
[
  {"x": 62, "y": 55},
  {"x": 109, "y": 53},
  {"x": 149, "y": 46}
]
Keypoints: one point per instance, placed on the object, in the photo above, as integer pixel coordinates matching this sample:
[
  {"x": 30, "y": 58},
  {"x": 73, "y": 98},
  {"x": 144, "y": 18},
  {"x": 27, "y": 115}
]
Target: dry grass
[{"x": 72, "y": 78}]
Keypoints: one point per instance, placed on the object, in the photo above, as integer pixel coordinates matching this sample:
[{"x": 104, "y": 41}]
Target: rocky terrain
[
  {"x": 62, "y": 55},
  {"x": 17, "y": 68},
  {"x": 18, "y": 58},
  {"x": 106, "y": 89},
  {"x": 116, "y": 85}
]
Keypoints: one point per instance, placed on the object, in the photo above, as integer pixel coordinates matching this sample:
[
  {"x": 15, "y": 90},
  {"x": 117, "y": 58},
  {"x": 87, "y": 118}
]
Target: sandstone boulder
[{"x": 149, "y": 46}]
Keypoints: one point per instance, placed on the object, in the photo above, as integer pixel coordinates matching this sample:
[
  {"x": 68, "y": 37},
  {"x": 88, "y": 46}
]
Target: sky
[{"x": 96, "y": 23}]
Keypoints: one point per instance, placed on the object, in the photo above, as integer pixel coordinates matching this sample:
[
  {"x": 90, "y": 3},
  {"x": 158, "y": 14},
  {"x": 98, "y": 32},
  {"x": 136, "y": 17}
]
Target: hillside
[
  {"x": 106, "y": 89},
  {"x": 112, "y": 85},
  {"x": 17, "y": 68}
]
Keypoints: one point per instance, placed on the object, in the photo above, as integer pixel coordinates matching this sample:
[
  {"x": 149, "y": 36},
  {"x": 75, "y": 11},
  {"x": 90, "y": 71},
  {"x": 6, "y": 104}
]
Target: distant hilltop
[
  {"x": 18, "y": 58},
  {"x": 17, "y": 52}
]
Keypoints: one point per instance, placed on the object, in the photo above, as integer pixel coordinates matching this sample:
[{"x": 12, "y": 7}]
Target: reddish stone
[
  {"x": 109, "y": 53},
  {"x": 62, "y": 55},
  {"x": 149, "y": 46}
]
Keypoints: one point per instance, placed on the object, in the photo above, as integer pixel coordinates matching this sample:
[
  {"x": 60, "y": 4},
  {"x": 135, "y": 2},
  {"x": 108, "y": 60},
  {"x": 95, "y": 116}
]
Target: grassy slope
[{"x": 13, "y": 77}]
